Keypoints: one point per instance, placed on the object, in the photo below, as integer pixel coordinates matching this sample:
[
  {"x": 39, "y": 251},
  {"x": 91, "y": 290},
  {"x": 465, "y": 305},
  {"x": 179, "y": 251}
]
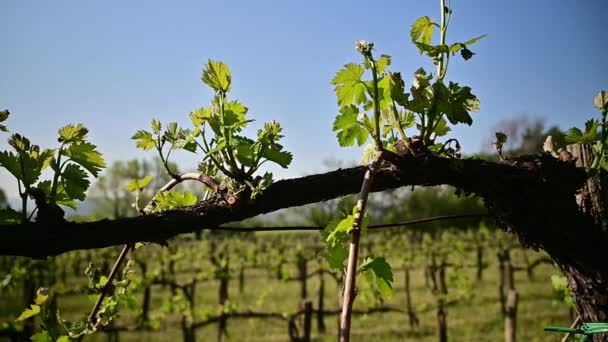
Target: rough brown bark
[
  {"x": 587, "y": 282},
  {"x": 489, "y": 179},
  {"x": 532, "y": 196}
]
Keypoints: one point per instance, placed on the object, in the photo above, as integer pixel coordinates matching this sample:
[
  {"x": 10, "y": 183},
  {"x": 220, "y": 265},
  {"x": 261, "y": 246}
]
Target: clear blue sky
[{"x": 114, "y": 65}]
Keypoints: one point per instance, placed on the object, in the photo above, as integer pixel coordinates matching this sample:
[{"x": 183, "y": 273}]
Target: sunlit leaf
[
  {"x": 144, "y": 140},
  {"x": 348, "y": 85},
  {"x": 75, "y": 181},
  {"x": 348, "y": 128},
  {"x": 382, "y": 273},
  {"x": 72, "y": 133},
  {"x": 422, "y": 31},
  {"x": 27, "y": 313},
  {"x": 217, "y": 75},
  {"x": 87, "y": 156},
  {"x": 138, "y": 184}
]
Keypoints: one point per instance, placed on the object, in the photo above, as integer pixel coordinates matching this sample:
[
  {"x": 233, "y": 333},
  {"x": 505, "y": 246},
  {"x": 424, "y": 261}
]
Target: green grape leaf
[
  {"x": 348, "y": 85},
  {"x": 9, "y": 216},
  {"x": 398, "y": 89},
  {"x": 461, "y": 102},
  {"x": 205, "y": 115},
  {"x": 442, "y": 128},
  {"x": 271, "y": 133},
  {"x": 380, "y": 272},
  {"x": 217, "y": 76},
  {"x": 156, "y": 126},
  {"x": 422, "y": 31},
  {"x": 10, "y": 162},
  {"x": 172, "y": 132},
  {"x": 275, "y": 153},
  {"x": 186, "y": 140},
  {"x": 234, "y": 115},
  {"x": 62, "y": 198},
  {"x": 3, "y": 116},
  {"x": 382, "y": 63},
  {"x": 348, "y": 128},
  {"x": 600, "y": 101},
  {"x": 219, "y": 147},
  {"x": 336, "y": 241},
  {"x": 87, "y": 156},
  {"x": 20, "y": 143},
  {"x": 336, "y": 255},
  {"x": 72, "y": 133},
  {"x": 172, "y": 199},
  {"x": 454, "y": 48},
  {"x": 33, "y": 163},
  {"x": 138, "y": 184},
  {"x": 576, "y": 136},
  {"x": 433, "y": 50},
  {"x": 181, "y": 138},
  {"x": 42, "y": 337},
  {"x": 27, "y": 313},
  {"x": 144, "y": 140},
  {"x": 245, "y": 149},
  {"x": 75, "y": 181},
  {"x": 474, "y": 40},
  {"x": 421, "y": 92},
  {"x": 501, "y": 138}
]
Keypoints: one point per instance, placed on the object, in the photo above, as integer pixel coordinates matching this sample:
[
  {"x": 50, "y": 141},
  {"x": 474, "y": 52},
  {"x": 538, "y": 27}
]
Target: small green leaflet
[
  {"x": 433, "y": 50},
  {"x": 348, "y": 128},
  {"x": 442, "y": 128},
  {"x": 138, "y": 184},
  {"x": 156, "y": 126},
  {"x": 144, "y": 140},
  {"x": 9, "y": 216},
  {"x": 336, "y": 255},
  {"x": 461, "y": 102},
  {"x": 501, "y": 139},
  {"x": 382, "y": 63},
  {"x": 336, "y": 237},
  {"x": 3, "y": 116},
  {"x": 422, "y": 31},
  {"x": 576, "y": 136},
  {"x": 336, "y": 240},
  {"x": 87, "y": 156},
  {"x": 10, "y": 162},
  {"x": 245, "y": 149},
  {"x": 275, "y": 153},
  {"x": 172, "y": 199},
  {"x": 41, "y": 337},
  {"x": 72, "y": 133},
  {"x": 62, "y": 198},
  {"x": 217, "y": 75},
  {"x": 379, "y": 273},
  {"x": 464, "y": 50},
  {"x": 474, "y": 40},
  {"x": 234, "y": 115},
  {"x": 180, "y": 138},
  {"x": 600, "y": 101},
  {"x": 32, "y": 164},
  {"x": 75, "y": 182},
  {"x": 27, "y": 313},
  {"x": 349, "y": 87}
]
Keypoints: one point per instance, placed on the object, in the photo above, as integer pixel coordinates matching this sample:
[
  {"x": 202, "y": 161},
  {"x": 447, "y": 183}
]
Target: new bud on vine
[{"x": 365, "y": 48}]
